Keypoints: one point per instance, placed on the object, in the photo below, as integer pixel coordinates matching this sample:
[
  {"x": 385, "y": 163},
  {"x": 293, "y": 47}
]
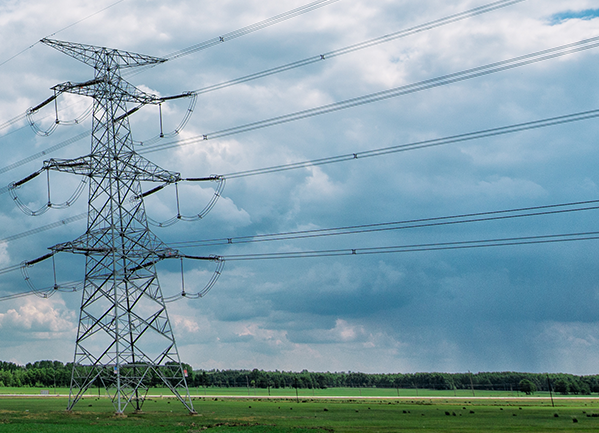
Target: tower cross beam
[{"x": 93, "y": 56}]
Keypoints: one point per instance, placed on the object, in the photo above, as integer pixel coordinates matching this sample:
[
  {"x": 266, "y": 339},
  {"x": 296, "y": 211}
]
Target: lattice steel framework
[{"x": 125, "y": 341}]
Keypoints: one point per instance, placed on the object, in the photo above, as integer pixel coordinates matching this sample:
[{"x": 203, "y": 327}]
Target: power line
[
  {"x": 43, "y": 228},
  {"x": 55, "y": 33},
  {"x": 239, "y": 32},
  {"x": 439, "y": 246},
  {"x": 443, "y": 80},
  {"x": 544, "y": 210},
  {"x": 250, "y": 29},
  {"x": 327, "y": 55},
  {"x": 362, "y": 45},
  {"x": 485, "y": 133},
  {"x": 83, "y": 19},
  {"x": 42, "y": 153}
]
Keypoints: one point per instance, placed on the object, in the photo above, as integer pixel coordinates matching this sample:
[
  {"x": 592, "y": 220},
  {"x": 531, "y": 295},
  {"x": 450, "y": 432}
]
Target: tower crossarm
[
  {"x": 80, "y": 166},
  {"x": 145, "y": 170},
  {"x": 92, "y": 55},
  {"x": 93, "y": 243},
  {"x": 134, "y": 167},
  {"x": 98, "y": 87}
]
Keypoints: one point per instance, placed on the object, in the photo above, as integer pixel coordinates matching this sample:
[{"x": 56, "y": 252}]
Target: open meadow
[{"x": 337, "y": 412}]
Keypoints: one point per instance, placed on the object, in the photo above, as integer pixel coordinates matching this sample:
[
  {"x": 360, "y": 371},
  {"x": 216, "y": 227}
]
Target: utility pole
[{"x": 124, "y": 339}]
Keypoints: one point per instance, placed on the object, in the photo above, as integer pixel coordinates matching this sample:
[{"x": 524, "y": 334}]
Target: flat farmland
[{"x": 438, "y": 413}]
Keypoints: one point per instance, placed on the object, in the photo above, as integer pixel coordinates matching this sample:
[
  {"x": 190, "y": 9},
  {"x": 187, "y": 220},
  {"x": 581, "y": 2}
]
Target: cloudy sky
[{"x": 523, "y": 307}]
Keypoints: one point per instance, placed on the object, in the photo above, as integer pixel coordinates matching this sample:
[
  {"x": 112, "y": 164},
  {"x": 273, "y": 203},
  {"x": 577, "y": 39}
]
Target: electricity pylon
[{"x": 124, "y": 339}]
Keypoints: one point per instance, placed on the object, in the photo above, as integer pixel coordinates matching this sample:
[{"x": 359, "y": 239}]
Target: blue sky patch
[{"x": 588, "y": 14}]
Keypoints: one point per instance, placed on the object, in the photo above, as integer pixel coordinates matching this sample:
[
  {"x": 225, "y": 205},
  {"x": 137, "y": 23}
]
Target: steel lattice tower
[{"x": 124, "y": 339}]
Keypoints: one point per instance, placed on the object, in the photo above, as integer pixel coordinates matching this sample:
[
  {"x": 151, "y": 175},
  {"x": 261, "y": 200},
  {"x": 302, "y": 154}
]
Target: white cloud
[
  {"x": 439, "y": 310},
  {"x": 39, "y": 318}
]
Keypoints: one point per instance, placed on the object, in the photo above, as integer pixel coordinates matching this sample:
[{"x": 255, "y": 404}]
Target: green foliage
[
  {"x": 50, "y": 374},
  {"x": 527, "y": 387},
  {"x": 562, "y": 386}
]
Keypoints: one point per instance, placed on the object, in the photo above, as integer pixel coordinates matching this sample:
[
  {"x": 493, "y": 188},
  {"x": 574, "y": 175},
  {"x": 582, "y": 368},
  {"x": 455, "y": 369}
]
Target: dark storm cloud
[{"x": 510, "y": 308}]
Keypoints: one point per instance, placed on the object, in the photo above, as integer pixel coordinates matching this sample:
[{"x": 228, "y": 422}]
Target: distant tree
[
  {"x": 527, "y": 387},
  {"x": 562, "y": 386}
]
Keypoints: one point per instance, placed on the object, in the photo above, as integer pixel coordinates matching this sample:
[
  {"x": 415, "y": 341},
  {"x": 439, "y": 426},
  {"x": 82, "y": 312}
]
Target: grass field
[
  {"x": 284, "y": 392},
  {"x": 285, "y": 415}
]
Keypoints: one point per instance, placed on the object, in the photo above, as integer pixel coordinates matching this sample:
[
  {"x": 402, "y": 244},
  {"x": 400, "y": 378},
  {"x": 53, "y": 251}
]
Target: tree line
[{"x": 56, "y": 374}]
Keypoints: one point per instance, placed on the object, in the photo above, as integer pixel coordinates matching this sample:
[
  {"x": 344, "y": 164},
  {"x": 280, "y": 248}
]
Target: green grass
[
  {"x": 305, "y": 393},
  {"x": 253, "y": 415}
]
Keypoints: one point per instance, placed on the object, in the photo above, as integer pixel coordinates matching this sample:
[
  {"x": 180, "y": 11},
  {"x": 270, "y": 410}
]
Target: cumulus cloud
[
  {"x": 450, "y": 310},
  {"x": 38, "y": 318}
]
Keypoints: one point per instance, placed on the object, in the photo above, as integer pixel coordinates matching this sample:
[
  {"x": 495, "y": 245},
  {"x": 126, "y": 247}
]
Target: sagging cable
[
  {"x": 220, "y": 261},
  {"x": 220, "y": 180},
  {"x": 192, "y": 103}
]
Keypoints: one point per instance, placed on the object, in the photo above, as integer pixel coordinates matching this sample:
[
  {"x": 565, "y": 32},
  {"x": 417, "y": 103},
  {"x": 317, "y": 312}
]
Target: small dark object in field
[
  {"x": 368, "y": 408},
  {"x": 584, "y": 411},
  {"x": 89, "y": 405},
  {"x": 520, "y": 408},
  {"x": 279, "y": 407},
  {"x": 325, "y": 409},
  {"x": 556, "y": 415},
  {"x": 500, "y": 408},
  {"x": 422, "y": 414},
  {"x": 514, "y": 414},
  {"x": 471, "y": 411},
  {"x": 464, "y": 408},
  {"x": 405, "y": 411},
  {"x": 356, "y": 410},
  {"x": 290, "y": 408},
  {"x": 453, "y": 414},
  {"x": 574, "y": 419},
  {"x": 250, "y": 407},
  {"x": 447, "y": 413}
]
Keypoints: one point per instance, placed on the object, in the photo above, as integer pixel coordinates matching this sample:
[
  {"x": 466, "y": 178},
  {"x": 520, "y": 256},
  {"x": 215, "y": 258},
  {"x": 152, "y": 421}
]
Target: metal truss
[{"x": 125, "y": 341}]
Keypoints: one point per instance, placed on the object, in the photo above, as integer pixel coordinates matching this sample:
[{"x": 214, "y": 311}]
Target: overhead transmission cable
[
  {"x": 438, "y": 246},
  {"x": 197, "y": 47},
  {"x": 250, "y": 29},
  {"x": 238, "y": 33},
  {"x": 497, "y": 215},
  {"x": 443, "y": 80},
  {"x": 362, "y": 45},
  {"x": 42, "y": 153},
  {"x": 327, "y": 55},
  {"x": 544, "y": 210},
  {"x": 44, "y": 228},
  {"x": 485, "y": 133},
  {"x": 58, "y": 31}
]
